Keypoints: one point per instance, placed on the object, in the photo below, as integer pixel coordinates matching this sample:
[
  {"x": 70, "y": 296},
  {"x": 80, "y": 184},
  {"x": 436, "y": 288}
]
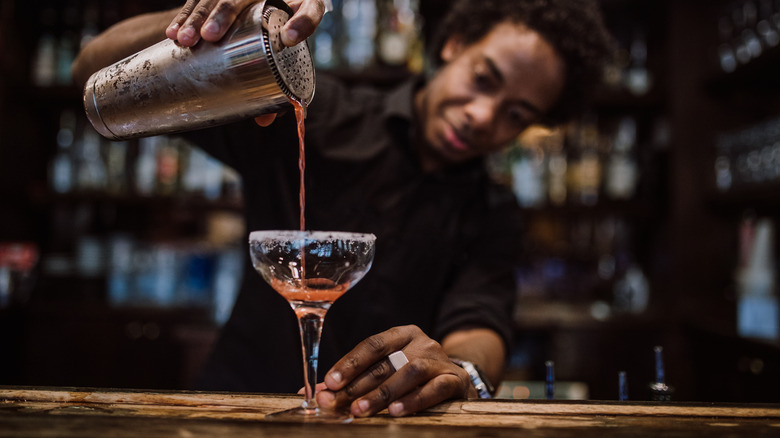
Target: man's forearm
[
  {"x": 482, "y": 346},
  {"x": 119, "y": 41}
]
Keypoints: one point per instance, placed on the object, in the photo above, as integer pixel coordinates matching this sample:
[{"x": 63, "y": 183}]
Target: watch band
[{"x": 480, "y": 382}]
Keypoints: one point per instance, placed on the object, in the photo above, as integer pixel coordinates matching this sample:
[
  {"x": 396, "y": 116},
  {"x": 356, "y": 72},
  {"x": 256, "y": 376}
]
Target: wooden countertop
[{"x": 87, "y": 413}]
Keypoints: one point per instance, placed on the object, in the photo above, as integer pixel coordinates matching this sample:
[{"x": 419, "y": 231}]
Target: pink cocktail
[{"x": 311, "y": 270}]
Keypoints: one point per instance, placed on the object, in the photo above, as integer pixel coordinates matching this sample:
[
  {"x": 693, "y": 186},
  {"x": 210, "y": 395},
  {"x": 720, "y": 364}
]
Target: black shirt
[{"x": 444, "y": 240}]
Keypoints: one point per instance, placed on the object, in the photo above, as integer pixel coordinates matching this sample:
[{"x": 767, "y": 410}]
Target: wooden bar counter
[{"x": 87, "y": 413}]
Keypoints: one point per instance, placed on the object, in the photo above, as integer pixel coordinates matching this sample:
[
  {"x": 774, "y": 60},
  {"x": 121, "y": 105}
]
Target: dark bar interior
[{"x": 649, "y": 259}]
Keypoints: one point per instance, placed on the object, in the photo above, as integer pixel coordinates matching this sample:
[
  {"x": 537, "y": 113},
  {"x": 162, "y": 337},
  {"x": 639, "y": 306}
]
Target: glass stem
[{"x": 310, "y": 326}]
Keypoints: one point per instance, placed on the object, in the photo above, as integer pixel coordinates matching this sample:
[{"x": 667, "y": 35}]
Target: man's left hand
[{"x": 365, "y": 380}]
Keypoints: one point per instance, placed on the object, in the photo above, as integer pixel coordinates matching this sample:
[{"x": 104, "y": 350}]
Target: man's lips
[{"x": 454, "y": 140}]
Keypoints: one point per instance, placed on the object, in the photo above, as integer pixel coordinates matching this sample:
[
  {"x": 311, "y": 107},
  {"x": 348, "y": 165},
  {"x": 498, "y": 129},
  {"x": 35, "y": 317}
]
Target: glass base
[{"x": 307, "y": 415}]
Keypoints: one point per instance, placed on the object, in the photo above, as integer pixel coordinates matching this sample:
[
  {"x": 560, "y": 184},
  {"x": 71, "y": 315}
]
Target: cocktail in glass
[{"x": 311, "y": 269}]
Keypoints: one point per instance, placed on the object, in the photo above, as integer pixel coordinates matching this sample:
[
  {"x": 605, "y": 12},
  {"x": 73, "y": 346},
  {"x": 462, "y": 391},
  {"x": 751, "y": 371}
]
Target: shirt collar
[{"x": 400, "y": 101}]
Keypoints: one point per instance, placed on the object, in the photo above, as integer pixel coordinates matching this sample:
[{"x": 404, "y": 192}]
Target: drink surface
[{"x": 310, "y": 290}]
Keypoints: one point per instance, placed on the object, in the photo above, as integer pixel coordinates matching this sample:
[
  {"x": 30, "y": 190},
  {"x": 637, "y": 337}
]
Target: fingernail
[
  {"x": 211, "y": 27},
  {"x": 173, "y": 27},
  {"x": 326, "y": 398},
  {"x": 188, "y": 32},
  {"x": 396, "y": 408},
  {"x": 292, "y": 35},
  {"x": 363, "y": 406},
  {"x": 335, "y": 377}
]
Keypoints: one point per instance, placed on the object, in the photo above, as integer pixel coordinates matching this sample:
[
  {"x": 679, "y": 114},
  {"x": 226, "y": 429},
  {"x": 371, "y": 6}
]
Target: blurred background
[{"x": 650, "y": 220}]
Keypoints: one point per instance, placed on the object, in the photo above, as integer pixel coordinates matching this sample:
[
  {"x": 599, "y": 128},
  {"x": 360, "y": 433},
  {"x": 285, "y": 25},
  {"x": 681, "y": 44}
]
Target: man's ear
[{"x": 452, "y": 48}]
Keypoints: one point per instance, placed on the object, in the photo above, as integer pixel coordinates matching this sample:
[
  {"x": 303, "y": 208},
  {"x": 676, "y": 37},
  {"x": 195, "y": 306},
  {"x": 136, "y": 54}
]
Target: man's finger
[
  {"x": 435, "y": 391},
  {"x": 404, "y": 381},
  {"x": 221, "y": 18},
  {"x": 303, "y": 22},
  {"x": 367, "y": 353},
  {"x": 173, "y": 29},
  {"x": 189, "y": 33},
  {"x": 362, "y": 385}
]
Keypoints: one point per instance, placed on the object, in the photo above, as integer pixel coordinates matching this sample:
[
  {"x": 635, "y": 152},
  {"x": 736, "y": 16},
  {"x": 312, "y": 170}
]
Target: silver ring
[{"x": 398, "y": 360}]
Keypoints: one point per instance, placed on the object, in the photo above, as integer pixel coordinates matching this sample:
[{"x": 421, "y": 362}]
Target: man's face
[{"x": 487, "y": 93}]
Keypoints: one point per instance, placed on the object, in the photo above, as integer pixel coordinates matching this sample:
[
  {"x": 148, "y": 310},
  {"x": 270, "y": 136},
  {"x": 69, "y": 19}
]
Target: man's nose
[{"x": 481, "y": 113}]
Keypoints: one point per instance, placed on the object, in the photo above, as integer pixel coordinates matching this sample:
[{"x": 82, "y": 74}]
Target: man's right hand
[{"x": 210, "y": 19}]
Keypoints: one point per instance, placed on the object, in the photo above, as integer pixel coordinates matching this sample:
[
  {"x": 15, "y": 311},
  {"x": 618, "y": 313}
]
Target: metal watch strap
[{"x": 480, "y": 382}]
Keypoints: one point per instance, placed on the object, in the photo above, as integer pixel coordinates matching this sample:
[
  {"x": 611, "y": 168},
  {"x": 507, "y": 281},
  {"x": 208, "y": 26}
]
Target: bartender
[{"x": 406, "y": 165}]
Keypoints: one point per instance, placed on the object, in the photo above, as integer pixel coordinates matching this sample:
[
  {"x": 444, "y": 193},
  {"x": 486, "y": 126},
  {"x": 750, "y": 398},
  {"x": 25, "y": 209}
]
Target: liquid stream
[{"x": 300, "y": 113}]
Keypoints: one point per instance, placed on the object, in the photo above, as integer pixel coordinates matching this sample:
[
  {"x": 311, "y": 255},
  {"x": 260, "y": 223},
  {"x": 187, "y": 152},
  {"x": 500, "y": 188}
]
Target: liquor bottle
[
  {"x": 327, "y": 39},
  {"x": 622, "y": 386},
  {"x": 116, "y": 162},
  {"x": 659, "y": 390},
  {"x": 398, "y": 33},
  {"x": 360, "y": 27},
  {"x": 556, "y": 168},
  {"x": 621, "y": 171},
  {"x": 146, "y": 165},
  {"x": 67, "y": 42},
  {"x": 167, "y": 168},
  {"x": 585, "y": 170},
  {"x": 61, "y": 171},
  {"x": 89, "y": 27},
  {"x": 91, "y": 175},
  {"x": 632, "y": 291},
  {"x": 638, "y": 79},
  {"x": 528, "y": 177},
  {"x": 44, "y": 69},
  {"x": 758, "y": 306},
  {"x": 767, "y": 29},
  {"x": 727, "y": 56}
]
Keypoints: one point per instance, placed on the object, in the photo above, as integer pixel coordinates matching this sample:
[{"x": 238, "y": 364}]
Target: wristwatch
[{"x": 480, "y": 382}]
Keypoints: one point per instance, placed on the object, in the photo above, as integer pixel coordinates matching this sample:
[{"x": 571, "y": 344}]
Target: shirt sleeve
[{"x": 483, "y": 290}]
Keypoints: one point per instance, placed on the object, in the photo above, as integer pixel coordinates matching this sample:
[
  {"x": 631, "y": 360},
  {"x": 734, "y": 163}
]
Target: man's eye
[
  {"x": 481, "y": 80},
  {"x": 516, "y": 117}
]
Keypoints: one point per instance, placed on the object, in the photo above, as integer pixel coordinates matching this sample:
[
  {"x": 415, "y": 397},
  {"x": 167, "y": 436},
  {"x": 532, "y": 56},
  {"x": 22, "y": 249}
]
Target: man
[{"x": 407, "y": 166}]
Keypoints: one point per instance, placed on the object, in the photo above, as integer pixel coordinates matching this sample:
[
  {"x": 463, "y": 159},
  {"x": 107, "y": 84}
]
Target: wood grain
[{"x": 92, "y": 413}]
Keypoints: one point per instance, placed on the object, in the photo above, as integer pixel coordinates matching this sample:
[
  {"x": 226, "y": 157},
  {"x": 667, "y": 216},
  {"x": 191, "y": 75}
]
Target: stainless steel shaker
[{"x": 167, "y": 88}]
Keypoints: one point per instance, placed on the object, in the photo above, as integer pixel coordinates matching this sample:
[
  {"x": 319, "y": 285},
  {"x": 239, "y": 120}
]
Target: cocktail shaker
[{"x": 167, "y": 88}]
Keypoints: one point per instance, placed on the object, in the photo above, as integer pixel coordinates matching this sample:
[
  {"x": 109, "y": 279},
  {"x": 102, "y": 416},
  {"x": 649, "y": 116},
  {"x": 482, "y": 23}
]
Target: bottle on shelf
[
  {"x": 91, "y": 174},
  {"x": 659, "y": 390},
  {"x": 44, "y": 68},
  {"x": 585, "y": 169},
  {"x": 746, "y": 30},
  {"x": 116, "y": 167},
  {"x": 638, "y": 78},
  {"x": 398, "y": 34},
  {"x": 61, "y": 171},
  {"x": 757, "y": 307},
  {"x": 557, "y": 168},
  {"x": 527, "y": 169},
  {"x": 167, "y": 167},
  {"x": 327, "y": 41},
  {"x": 359, "y": 22},
  {"x": 146, "y": 165},
  {"x": 621, "y": 171}
]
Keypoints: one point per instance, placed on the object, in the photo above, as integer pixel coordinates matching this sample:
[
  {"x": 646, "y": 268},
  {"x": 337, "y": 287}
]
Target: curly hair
[{"x": 575, "y": 28}]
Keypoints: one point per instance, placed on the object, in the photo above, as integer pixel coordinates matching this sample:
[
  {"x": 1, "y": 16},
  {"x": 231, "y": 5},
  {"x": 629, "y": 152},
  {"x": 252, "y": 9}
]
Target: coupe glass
[{"x": 311, "y": 269}]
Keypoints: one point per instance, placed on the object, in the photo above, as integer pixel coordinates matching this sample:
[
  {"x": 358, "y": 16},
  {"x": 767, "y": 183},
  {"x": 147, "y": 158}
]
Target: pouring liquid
[{"x": 300, "y": 112}]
